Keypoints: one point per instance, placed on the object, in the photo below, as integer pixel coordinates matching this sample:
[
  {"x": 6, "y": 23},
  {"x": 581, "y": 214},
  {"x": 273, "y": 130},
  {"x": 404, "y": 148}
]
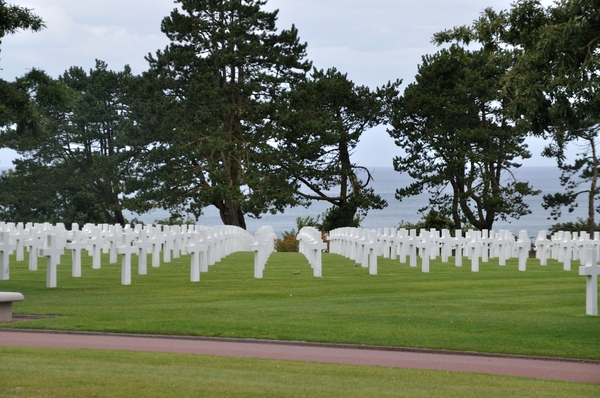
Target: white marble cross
[
  {"x": 95, "y": 244},
  {"x": 402, "y": 244},
  {"x": 446, "y": 245},
  {"x": 76, "y": 244},
  {"x": 196, "y": 247},
  {"x": 52, "y": 250},
  {"x": 486, "y": 239},
  {"x": 425, "y": 245},
  {"x": 566, "y": 250},
  {"x": 370, "y": 247},
  {"x": 19, "y": 236},
  {"x": 114, "y": 238},
  {"x": 474, "y": 247},
  {"x": 364, "y": 248},
  {"x": 168, "y": 238},
  {"x": 204, "y": 262},
  {"x": 434, "y": 239},
  {"x": 5, "y": 248},
  {"x": 177, "y": 236},
  {"x": 156, "y": 240},
  {"x": 385, "y": 238},
  {"x": 126, "y": 250},
  {"x": 542, "y": 246},
  {"x": 33, "y": 243},
  {"x": 591, "y": 271},
  {"x": 523, "y": 248},
  {"x": 458, "y": 243},
  {"x": 413, "y": 241},
  {"x": 143, "y": 244}
]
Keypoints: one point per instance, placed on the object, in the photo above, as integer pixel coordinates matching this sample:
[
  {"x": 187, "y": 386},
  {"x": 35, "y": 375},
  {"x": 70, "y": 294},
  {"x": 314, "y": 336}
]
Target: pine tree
[{"x": 208, "y": 111}]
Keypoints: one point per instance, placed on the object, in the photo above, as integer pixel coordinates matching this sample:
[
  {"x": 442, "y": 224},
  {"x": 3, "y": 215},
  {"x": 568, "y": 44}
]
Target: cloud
[
  {"x": 72, "y": 40},
  {"x": 374, "y": 41}
]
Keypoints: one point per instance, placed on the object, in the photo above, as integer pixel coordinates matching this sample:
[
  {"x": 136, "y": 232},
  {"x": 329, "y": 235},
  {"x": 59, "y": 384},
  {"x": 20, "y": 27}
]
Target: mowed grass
[
  {"x": 498, "y": 310},
  {"x": 88, "y": 373}
]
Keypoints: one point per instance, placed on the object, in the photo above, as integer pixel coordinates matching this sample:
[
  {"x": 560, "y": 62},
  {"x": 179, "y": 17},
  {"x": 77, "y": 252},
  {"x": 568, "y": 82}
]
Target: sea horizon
[{"x": 385, "y": 183}]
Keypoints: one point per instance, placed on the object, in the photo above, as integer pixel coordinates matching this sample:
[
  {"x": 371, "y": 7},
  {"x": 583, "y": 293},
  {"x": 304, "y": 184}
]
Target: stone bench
[{"x": 6, "y": 300}]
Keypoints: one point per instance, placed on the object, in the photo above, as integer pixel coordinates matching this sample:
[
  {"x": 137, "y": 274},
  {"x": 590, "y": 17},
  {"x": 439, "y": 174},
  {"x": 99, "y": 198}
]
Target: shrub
[
  {"x": 572, "y": 226},
  {"x": 287, "y": 244}
]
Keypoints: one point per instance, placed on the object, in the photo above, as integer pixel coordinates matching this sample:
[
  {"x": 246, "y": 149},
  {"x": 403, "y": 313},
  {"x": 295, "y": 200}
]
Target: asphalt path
[{"x": 535, "y": 367}]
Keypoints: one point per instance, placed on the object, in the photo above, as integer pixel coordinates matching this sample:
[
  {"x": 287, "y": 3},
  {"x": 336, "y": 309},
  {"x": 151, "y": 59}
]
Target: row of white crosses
[
  {"x": 311, "y": 245},
  {"x": 263, "y": 246},
  {"x": 362, "y": 246},
  {"x": 207, "y": 246},
  {"x": 562, "y": 246},
  {"x": 566, "y": 247}
]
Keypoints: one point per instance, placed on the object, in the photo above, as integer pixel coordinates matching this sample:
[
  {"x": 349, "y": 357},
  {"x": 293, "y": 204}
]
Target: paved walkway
[{"x": 569, "y": 370}]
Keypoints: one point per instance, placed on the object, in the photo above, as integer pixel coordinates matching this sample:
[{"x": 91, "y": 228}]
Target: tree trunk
[
  {"x": 591, "y": 211},
  {"x": 593, "y": 188},
  {"x": 231, "y": 214}
]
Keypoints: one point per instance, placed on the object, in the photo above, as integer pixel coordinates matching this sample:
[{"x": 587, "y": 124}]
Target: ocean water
[{"x": 386, "y": 180}]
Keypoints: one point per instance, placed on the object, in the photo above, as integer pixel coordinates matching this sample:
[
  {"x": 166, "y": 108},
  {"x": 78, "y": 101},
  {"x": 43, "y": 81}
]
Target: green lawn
[
  {"x": 498, "y": 310},
  {"x": 88, "y": 373}
]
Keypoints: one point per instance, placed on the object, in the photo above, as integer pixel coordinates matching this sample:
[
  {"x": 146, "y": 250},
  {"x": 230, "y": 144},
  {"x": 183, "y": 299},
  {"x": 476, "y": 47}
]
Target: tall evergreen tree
[
  {"x": 210, "y": 113},
  {"x": 14, "y": 104},
  {"x": 328, "y": 115},
  {"x": 459, "y": 143},
  {"x": 79, "y": 143},
  {"x": 554, "y": 84}
]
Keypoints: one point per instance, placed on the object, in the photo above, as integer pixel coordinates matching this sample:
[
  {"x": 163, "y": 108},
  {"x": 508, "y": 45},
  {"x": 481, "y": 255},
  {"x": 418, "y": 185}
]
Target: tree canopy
[
  {"x": 554, "y": 83},
  {"x": 78, "y": 142},
  {"x": 14, "y": 104},
  {"x": 14, "y": 18},
  {"x": 209, "y": 118},
  {"x": 327, "y": 116},
  {"x": 458, "y": 141}
]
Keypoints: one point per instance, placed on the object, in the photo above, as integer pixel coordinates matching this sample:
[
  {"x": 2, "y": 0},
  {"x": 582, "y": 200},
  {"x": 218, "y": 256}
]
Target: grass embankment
[
  {"x": 88, "y": 373},
  {"x": 500, "y": 310}
]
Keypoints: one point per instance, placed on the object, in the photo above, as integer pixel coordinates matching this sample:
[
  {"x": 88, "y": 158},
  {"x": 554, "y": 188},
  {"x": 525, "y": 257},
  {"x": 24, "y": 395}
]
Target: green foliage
[
  {"x": 302, "y": 222},
  {"x": 572, "y": 226},
  {"x": 553, "y": 85},
  {"x": 561, "y": 62},
  {"x": 14, "y": 18},
  {"x": 74, "y": 150},
  {"x": 37, "y": 193},
  {"x": 207, "y": 111},
  {"x": 338, "y": 217},
  {"x": 432, "y": 220},
  {"x": 289, "y": 243},
  {"x": 327, "y": 115},
  {"x": 458, "y": 141},
  {"x": 176, "y": 219},
  {"x": 14, "y": 104}
]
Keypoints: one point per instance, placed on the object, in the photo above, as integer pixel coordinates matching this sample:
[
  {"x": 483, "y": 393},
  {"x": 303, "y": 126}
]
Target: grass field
[
  {"x": 87, "y": 373},
  {"x": 498, "y": 310}
]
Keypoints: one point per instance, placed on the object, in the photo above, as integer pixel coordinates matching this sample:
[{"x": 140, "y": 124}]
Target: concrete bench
[{"x": 6, "y": 300}]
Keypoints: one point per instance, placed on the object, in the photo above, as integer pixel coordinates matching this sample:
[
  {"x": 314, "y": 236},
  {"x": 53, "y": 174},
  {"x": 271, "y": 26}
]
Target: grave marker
[
  {"x": 5, "y": 248},
  {"x": 33, "y": 243},
  {"x": 52, "y": 250},
  {"x": 196, "y": 248},
  {"x": 126, "y": 250},
  {"x": 76, "y": 244},
  {"x": 591, "y": 271},
  {"x": 523, "y": 247}
]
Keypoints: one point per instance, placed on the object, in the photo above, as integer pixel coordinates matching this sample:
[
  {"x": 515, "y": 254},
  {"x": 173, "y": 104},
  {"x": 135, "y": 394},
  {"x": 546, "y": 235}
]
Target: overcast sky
[{"x": 374, "y": 41}]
